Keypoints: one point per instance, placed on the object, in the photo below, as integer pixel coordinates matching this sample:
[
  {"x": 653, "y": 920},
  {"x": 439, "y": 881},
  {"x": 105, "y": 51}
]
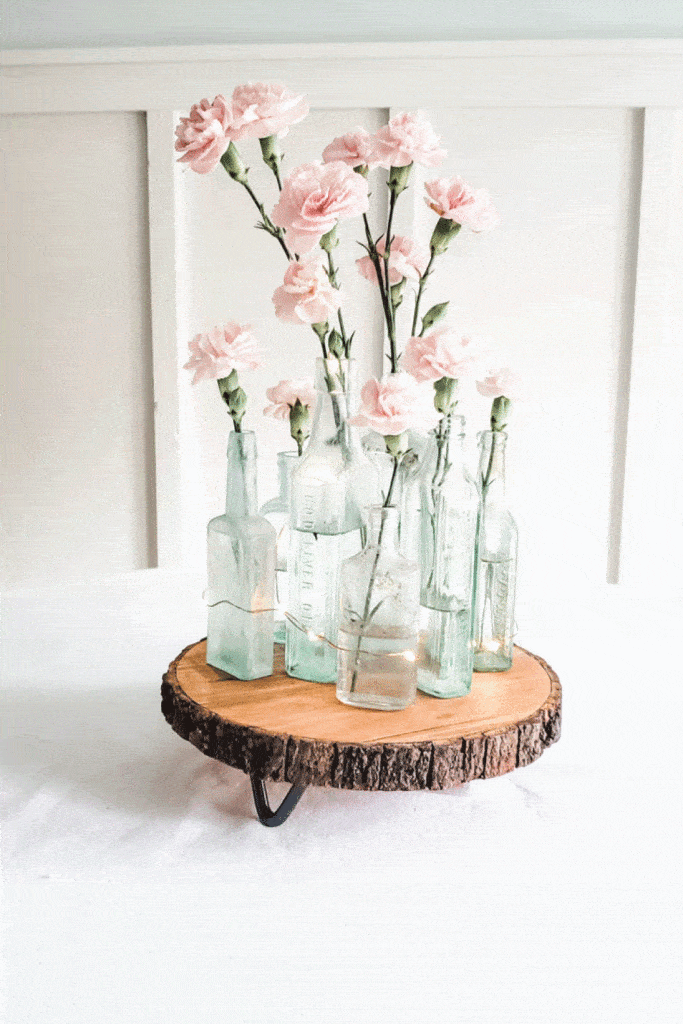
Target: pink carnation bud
[
  {"x": 395, "y": 404},
  {"x": 502, "y": 382},
  {"x": 216, "y": 353},
  {"x": 354, "y": 149},
  {"x": 443, "y": 353},
  {"x": 407, "y": 258},
  {"x": 408, "y": 139},
  {"x": 204, "y": 136},
  {"x": 453, "y": 200},
  {"x": 285, "y": 394},
  {"x": 314, "y": 197},
  {"x": 266, "y": 108},
  {"x": 306, "y": 296}
]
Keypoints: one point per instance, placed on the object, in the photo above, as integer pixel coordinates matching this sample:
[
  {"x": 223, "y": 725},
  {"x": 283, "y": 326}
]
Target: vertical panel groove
[
  {"x": 162, "y": 252},
  {"x": 623, "y": 376},
  {"x": 652, "y": 534}
]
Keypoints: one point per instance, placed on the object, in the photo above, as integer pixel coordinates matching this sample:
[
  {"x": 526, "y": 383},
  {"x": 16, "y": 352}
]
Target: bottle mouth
[
  {"x": 332, "y": 375},
  {"x": 379, "y": 512}
]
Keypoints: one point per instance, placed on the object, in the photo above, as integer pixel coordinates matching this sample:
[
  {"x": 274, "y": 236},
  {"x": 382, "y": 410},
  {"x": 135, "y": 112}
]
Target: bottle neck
[
  {"x": 445, "y": 456},
  {"x": 286, "y": 461},
  {"x": 333, "y": 384},
  {"x": 491, "y": 477},
  {"x": 383, "y": 525},
  {"x": 241, "y": 498}
]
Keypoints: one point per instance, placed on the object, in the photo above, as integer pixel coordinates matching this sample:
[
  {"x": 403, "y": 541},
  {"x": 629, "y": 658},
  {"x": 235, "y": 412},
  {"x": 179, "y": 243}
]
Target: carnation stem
[
  {"x": 267, "y": 222},
  {"x": 365, "y": 622},
  {"x": 334, "y": 281},
  {"x": 420, "y": 289},
  {"x": 386, "y": 300},
  {"x": 387, "y": 285},
  {"x": 442, "y": 434}
]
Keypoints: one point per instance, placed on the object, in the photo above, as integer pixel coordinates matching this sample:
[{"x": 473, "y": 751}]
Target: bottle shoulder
[
  {"x": 276, "y": 506},
  {"x": 389, "y": 561},
  {"x": 242, "y": 526}
]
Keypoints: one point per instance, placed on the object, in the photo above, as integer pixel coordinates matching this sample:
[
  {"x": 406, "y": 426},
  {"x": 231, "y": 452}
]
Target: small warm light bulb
[
  {"x": 311, "y": 635},
  {"x": 409, "y": 655}
]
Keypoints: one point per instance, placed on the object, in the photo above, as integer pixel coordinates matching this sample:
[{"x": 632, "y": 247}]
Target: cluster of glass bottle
[{"x": 382, "y": 599}]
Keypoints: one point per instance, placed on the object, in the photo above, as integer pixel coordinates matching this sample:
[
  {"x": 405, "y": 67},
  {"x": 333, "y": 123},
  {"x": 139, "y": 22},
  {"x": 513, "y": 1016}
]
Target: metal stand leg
[{"x": 267, "y": 816}]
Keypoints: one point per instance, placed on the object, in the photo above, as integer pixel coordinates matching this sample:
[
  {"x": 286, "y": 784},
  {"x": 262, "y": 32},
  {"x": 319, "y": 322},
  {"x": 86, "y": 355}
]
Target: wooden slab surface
[{"x": 295, "y": 731}]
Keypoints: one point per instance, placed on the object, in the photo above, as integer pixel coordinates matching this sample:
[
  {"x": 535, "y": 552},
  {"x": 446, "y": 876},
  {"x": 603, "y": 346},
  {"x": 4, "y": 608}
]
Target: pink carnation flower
[
  {"x": 306, "y": 297},
  {"x": 395, "y": 404},
  {"x": 283, "y": 396},
  {"x": 216, "y": 353},
  {"x": 354, "y": 149},
  {"x": 408, "y": 139},
  {"x": 453, "y": 200},
  {"x": 501, "y": 382},
  {"x": 314, "y": 197},
  {"x": 407, "y": 258},
  {"x": 266, "y": 108},
  {"x": 443, "y": 353},
  {"x": 204, "y": 136}
]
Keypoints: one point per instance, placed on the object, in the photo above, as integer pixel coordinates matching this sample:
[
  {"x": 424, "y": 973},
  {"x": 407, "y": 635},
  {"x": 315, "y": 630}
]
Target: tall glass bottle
[
  {"x": 331, "y": 485},
  {"x": 449, "y": 519},
  {"x": 276, "y": 511},
  {"x": 496, "y": 561},
  {"x": 241, "y": 555},
  {"x": 379, "y": 597}
]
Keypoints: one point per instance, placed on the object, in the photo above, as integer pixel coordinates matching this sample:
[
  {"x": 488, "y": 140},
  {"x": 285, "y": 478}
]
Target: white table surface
[{"x": 139, "y": 886}]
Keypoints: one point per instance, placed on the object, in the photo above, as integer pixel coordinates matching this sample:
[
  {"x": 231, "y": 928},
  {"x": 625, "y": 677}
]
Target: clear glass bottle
[
  {"x": 241, "y": 557},
  {"x": 496, "y": 561},
  {"x": 406, "y": 490},
  {"x": 276, "y": 511},
  {"x": 378, "y": 634},
  {"x": 449, "y": 521},
  {"x": 332, "y": 485}
]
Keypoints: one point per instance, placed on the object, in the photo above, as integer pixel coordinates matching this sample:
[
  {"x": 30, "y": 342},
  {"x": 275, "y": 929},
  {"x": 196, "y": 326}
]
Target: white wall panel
[
  {"x": 546, "y": 290},
  {"x": 77, "y": 430}
]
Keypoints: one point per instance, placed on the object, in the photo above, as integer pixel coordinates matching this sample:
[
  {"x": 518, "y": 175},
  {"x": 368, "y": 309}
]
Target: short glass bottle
[
  {"x": 241, "y": 556},
  {"x": 449, "y": 520},
  {"x": 332, "y": 485},
  {"x": 277, "y": 511},
  {"x": 495, "y": 561},
  {"x": 378, "y": 634}
]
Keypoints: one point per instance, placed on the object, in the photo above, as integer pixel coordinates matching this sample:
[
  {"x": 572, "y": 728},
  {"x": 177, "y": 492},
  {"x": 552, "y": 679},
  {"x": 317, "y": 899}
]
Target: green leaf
[{"x": 434, "y": 315}]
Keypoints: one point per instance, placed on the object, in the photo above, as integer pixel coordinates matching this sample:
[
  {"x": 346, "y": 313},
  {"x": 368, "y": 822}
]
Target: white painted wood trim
[
  {"x": 653, "y": 450},
  {"x": 624, "y": 73},
  {"x": 163, "y": 287},
  {"x": 271, "y": 51}
]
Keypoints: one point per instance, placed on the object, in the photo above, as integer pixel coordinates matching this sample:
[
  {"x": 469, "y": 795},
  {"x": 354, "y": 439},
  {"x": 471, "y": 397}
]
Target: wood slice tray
[{"x": 288, "y": 730}]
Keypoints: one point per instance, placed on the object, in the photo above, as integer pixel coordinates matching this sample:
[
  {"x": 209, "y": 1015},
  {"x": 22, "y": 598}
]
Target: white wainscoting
[{"x": 114, "y": 462}]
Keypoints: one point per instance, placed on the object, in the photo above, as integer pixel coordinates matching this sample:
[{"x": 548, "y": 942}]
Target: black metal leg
[{"x": 267, "y": 816}]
